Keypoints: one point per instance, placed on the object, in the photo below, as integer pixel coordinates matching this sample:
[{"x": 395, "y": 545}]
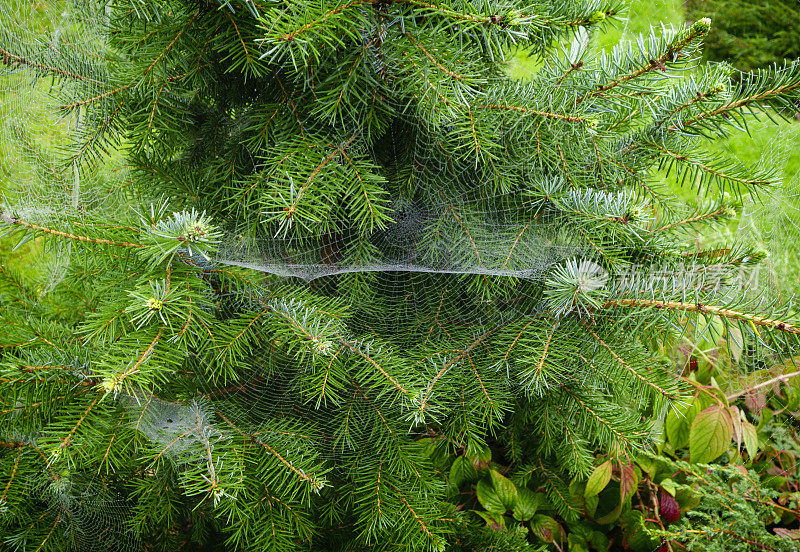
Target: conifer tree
[{"x": 308, "y": 249}]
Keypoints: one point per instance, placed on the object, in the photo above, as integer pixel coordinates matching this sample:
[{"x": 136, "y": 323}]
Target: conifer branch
[
  {"x": 516, "y": 338},
  {"x": 47, "y": 538},
  {"x": 301, "y": 475},
  {"x": 171, "y": 44},
  {"x": 102, "y": 128},
  {"x": 710, "y": 170},
  {"x": 292, "y": 208},
  {"x": 13, "y": 279},
  {"x": 247, "y": 56},
  {"x": 87, "y": 101},
  {"x": 514, "y": 246},
  {"x": 65, "y": 441},
  {"x": 628, "y": 368},
  {"x": 374, "y": 364},
  {"x": 395, "y": 442},
  {"x": 681, "y": 42},
  {"x": 462, "y": 354},
  {"x": 699, "y": 97},
  {"x": 705, "y": 216},
  {"x": 526, "y": 111},
  {"x": 545, "y": 349},
  {"x": 141, "y": 360},
  {"x": 491, "y": 19},
  {"x": 705, "y": 309},
  {"x": 742, "y": 102},
  {"x": 41, "y": 403},
  {"x": 438, "y": 65},
  {"x": 10, "y": 59},
  {"x": 230, "y": 343},
  {"x": 11, "y": 477},
  {"x": 414, "y": 513},
  {"x": 572, "y": 69},
  {"x": 781, "y": 378}
]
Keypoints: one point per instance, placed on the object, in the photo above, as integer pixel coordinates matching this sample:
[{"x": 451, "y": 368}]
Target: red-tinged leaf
[
  {"x": 628, "y": 481},
  {"x": 546, "y": 528},
  {"x": 668, "y": 507},
  {"x": 480, "y": 455},
  {"x": 494, "y": 521},
  {"x": 710, "y": 434},
  {"x": 755, "y": 401},
  {"x": 737, "y": 427},
  {"x": 668, "y": 485},
  {"x": 787, "y": 461},
  {"x": 793, "y": 534}
]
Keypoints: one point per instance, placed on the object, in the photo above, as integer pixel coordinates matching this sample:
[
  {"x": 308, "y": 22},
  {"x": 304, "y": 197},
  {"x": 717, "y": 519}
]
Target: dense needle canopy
[{"x": 303, "y": 251}]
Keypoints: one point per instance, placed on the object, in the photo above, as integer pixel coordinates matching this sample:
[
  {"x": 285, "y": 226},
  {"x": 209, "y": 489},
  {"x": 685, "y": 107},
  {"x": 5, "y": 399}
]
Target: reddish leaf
[
  {"x": 793, "y": 534},
  {"x": 710, "y": 434},
  {"x": 628, "y": 481},
  {"x": 670, "y": 511},
  {"x": 755, "y": 401}
]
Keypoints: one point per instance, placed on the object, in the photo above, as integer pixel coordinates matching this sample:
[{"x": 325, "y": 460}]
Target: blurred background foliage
[{"x": 749, "y": 34}]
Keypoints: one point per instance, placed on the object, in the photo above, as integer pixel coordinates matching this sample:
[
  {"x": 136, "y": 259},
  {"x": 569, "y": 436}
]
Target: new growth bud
[
  {"x": 511, "y": 19},
  {"x": 323, "y": 347},
  {"x": 195, "y": 230},
  {"x": 718, "y": 87},
  {"x": 702, "y": 26},
  {"x": 596, "y": 17},
  {"x": 112, "y": 385}
]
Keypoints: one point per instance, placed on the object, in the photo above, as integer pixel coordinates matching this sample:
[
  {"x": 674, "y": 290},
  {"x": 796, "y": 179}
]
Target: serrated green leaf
[
  {"x": 504, "y": 488},
  {"x": 526, "y": 504},
  {"x": 591, "y": 504},
  {"x": 462, "y": 471},
  {"x": 710, "y": 434},
  {"x": 489, "y": 498},
  {"x": 599, "y": 479},
  {"x": 687, "y": 499},
  {"x": 648, "y": 465},
  {"x": 750, "y": 435},
  {"x": 677, "y": 428},
  {"x": 773, "y": 482}
]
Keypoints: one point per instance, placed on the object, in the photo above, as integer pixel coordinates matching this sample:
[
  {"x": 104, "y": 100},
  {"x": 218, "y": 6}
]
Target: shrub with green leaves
[
  {"x": 320, "y": 276},
  {"x": 750, "y": 35}
]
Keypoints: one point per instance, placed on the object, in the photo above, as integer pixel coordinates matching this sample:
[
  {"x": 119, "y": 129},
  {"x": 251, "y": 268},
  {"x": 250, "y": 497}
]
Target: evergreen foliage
[{"x": 157, "y": 395}]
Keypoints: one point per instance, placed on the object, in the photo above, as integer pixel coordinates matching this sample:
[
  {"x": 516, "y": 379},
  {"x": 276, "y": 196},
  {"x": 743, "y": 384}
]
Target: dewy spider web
[{"x": 430, "y": 253}]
